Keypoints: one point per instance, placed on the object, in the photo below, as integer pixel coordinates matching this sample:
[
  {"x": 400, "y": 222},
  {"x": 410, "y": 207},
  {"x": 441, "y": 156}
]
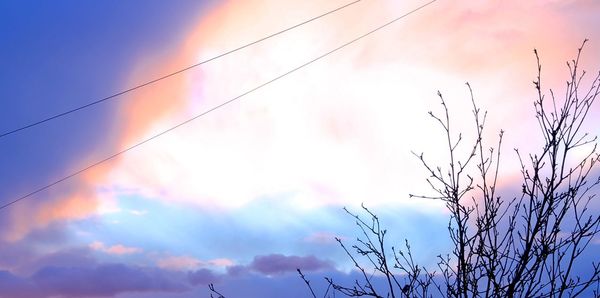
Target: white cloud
[
  {"x": 138, "y": 212},
  {"x": 340, "y": 132}
]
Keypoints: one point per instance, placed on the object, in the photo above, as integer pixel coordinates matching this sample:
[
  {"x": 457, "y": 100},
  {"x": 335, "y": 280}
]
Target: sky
[{"x": 244, "y": 195}]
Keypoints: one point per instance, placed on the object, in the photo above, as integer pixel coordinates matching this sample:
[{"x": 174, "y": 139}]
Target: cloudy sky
[{"x": 247, "y": 193}]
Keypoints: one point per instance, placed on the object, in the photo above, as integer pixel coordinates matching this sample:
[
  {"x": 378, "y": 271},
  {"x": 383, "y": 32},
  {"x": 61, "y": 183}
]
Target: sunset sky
[{"x": 244, "y": 195}]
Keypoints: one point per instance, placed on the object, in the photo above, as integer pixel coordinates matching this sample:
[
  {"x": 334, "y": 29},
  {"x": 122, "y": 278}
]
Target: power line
[
  {"x": 85, "y": 106},
  {"x": 218, "y": 106}
]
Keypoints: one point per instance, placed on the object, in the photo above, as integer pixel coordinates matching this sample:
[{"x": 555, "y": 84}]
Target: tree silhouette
[{"x": 527, "y": 246}]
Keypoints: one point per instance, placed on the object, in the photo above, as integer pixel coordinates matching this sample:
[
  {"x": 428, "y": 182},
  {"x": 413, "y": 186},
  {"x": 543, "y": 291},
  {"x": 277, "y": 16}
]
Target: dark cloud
[
  {"x": 21, "y": 259},
  {"x": 75, "y": 272},
  {"x": 277, "y": 264},
  {"x": 104, "y": 280},
  {"x": 14, "y": 256},
  {"x": 286, "y": 285},
  {"x": 237, "y": 270},
  {"x": 72, "y": 257},
  {"x": 14, "y": 286},
  {"x": 203, "y": 277},
  {"x": 267, "y": 265},
  {"x": 20, "y": 256}
]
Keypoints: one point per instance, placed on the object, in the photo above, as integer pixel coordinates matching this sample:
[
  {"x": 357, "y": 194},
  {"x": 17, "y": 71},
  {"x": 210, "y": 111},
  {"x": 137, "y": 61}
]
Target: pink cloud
[
  {"x": 61, "y": 204},
  {"x": 118, "y": 249},
  {"x": 221, "y": 262},
  {"x": 180, "y": 263},
  {"x": 185, "y": 263}
]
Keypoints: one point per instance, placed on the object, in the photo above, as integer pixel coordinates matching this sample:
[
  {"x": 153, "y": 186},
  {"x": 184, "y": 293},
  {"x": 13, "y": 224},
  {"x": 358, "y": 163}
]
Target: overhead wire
[
  {"x": 101, "y": 100},
  {"x": 218, "y": 106}
]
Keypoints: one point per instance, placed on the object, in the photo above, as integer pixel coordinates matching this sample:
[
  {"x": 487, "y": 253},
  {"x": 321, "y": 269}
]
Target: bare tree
[{"x": 527, "y": 246}]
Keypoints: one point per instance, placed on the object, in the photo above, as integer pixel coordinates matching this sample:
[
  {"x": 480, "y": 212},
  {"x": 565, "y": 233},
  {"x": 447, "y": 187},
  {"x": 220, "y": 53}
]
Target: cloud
[
  {"x": 286, "y": 285},
  {"x": 80, "y": 197},
  {"x": 237, "y": 270},
  {"x": 138, "y": 212},
  {"x": 221, "y": 262},
  {"x": 184, "y": 263},
  {"x": 60, "y": 205},
  {"x": 26, "y": 257},
  {"x": 104, "y": 280},
  {"x": 344, "y": 141},
  {"x": 263, "y": 265},
  {"x": 71, "y": 257},
  {"x": 14, "y": 286},
  {"x": 74, "y": 273},
  {"x": 276, "y": 264},
  {"x": 118, "y": 249},
  {"x": 353, "y": 129},
  {"x": 179, "y": 263},
  {"x": 203, "y": 277}
]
